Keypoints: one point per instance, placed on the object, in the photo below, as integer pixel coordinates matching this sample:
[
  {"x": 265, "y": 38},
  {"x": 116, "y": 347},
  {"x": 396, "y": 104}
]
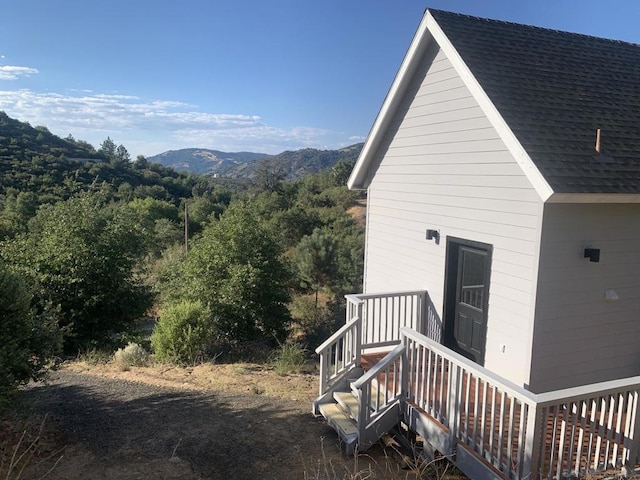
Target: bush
[
  {"x": 27, "y": 341},
  {"x": 236, "y": 268},
  {"x": 183, "y": 333},
  {"x": 80, "y": 256},
  {"x": 133, "y": 355}
]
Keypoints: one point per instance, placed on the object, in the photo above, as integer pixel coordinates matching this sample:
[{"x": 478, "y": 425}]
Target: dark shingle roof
[{"x": 554, "y": 89}]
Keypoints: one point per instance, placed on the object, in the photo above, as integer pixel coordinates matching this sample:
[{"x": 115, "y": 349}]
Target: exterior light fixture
[
  {"x": 433, "y": 234},
  {"x": 593, "y": 254}
]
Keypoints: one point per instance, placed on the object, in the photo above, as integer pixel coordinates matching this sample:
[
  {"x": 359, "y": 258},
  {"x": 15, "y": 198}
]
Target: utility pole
[{"x": 186, "y": 228}]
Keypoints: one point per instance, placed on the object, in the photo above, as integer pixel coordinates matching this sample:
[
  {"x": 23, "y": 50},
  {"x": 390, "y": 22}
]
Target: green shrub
[
  {"x": 27, "y": 341},
  {"x": 183, "y": 333},
  {"x": 133, "y": 355},
  {"x": 236, "y": 268}
]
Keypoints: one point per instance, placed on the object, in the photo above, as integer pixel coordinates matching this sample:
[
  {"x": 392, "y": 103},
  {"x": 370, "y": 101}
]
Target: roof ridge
[{"x": 525, "y": 25}]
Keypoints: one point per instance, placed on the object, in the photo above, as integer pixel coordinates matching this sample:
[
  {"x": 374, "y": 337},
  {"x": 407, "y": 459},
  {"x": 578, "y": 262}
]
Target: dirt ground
[{"x": 237, "y": 421}]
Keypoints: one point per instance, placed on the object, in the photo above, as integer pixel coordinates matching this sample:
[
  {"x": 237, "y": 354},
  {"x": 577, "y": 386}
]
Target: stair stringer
[{"x": 383, "y": 424}]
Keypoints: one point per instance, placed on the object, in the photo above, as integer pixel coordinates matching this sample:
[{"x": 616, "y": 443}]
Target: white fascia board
[
  {"x": 594, "y": 198},
  {"x": 360, "y": 178},
  {"x": 506, "y": 134}
]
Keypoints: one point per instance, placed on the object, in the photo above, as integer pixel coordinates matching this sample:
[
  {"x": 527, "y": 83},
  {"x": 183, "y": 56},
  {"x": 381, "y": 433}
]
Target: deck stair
[
  {"x": 340, "y": 416},
  {"x": 342, "y": 413}
]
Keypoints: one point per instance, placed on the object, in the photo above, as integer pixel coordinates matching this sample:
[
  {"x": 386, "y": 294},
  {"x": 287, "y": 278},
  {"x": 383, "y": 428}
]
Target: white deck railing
[
  {"x": 339, "y": 353},
  {"x": 373, "y": 320},
  {"x": 380, "y": 387},
  {"x": 522, "y": 434},
  {"x": 383, "y": 314}
]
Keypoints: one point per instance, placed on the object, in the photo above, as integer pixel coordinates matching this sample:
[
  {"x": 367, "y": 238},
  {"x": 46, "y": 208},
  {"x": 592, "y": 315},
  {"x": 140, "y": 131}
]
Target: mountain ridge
[{"x": 294, "y": 163}]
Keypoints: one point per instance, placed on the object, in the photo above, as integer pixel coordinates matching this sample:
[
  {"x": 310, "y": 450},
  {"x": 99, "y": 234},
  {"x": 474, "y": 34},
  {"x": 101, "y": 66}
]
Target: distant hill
[
  {"x": 295, "y": 164},
  {"x": 202, "y": 160}
]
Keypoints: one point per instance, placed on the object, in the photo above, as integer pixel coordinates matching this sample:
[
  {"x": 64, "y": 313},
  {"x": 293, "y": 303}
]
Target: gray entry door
[{"x": 468, "y": 267}]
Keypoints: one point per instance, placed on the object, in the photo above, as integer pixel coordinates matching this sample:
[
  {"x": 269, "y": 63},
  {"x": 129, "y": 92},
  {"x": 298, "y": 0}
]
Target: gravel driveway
[{"x": 114, "y": 428}]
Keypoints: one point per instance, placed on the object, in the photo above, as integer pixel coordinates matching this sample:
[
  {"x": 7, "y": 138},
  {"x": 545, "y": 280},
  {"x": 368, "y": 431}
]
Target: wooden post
[
  {"x": 404, "y": 372},
  {"x": 358, "y": 335},
  {"x": 323, "y": 371},
  {"x": 531, "y": 466},
  {"x": 453, "y": 401},
  {"x": 634, "y": 452}
]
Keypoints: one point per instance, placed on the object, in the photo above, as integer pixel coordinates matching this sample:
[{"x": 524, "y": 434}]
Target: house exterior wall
[
  {"x": 442, "y": 165},
  {"x": 580, "y": 337}
]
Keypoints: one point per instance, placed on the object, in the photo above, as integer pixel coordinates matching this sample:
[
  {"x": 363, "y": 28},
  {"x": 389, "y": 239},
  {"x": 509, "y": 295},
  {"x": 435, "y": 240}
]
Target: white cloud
[
  {"x": 357, "y": 138},
  {"x": 12, "y": 72},
  {"x": 151, "y": 126}
]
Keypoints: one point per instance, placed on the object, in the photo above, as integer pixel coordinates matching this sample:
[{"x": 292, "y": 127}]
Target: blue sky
[{"x": 233, "y": 75}]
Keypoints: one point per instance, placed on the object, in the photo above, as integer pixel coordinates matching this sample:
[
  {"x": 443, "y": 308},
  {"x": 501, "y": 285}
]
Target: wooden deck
[
  {"x": 486, "y": 422},
  {"x": 492, "y": 422}
]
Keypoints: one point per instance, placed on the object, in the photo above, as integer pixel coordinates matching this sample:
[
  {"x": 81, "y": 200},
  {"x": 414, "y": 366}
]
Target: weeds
[
  {"x": 94, "y": 356},
  {"x": 291, "y": 358},
  {"x": 325, "y": 469},
  {"x": 22, "y": 457},
  {"x": 398, "y": 463}
]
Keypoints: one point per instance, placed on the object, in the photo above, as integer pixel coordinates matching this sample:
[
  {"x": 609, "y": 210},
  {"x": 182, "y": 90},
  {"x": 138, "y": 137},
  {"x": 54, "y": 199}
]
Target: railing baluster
[
  {"x": 521, "y": 441},
  {"x": 635, "y": 433},
  {"x": 561, "y": 443},
  {"x": 579, "y": 450},
  {"x": 617, "y": 436},
  {"x": 441, "y": 399},
  {"x": 611, "y": 402},
  {"x": 475, "y": 413},
  {"x": 572, "y": 413},
  {"x": 511, "y": 432},
  {"x": 500, "y": 438},
  {"x": 430, "y": 397},
  {"x": 592, "y": 427},
  {"x": 627, "y": 429},
  {"x": 600, "y": 432}
]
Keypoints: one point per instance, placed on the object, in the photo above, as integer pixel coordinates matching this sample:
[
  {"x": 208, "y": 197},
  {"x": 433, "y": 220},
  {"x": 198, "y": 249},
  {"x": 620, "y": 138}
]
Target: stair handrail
[
  {"x": 347, "y": 349},
  {"x": 368, "y": 410},
  {"x": 337, "y": 335}
]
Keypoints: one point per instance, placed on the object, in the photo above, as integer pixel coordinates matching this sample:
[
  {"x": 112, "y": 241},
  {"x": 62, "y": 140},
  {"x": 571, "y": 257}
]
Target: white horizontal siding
[
  {"x": 580, "y": 337},
  {"x": 443, "y": 165}
]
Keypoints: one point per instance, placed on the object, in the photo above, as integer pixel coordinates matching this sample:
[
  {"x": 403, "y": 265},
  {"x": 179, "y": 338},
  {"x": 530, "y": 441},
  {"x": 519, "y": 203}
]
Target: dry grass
[{"x": 22, "y": 456}]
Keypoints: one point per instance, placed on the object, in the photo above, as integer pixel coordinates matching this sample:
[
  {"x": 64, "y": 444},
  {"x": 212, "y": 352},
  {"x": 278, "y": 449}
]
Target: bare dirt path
[{"x": 210, "y": 422}]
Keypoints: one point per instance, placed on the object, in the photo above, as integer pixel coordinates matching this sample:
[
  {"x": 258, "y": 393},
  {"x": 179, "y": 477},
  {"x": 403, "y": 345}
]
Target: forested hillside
[
  {"x": 33, "y": 160},
  {"x": 92, "y": 243}
]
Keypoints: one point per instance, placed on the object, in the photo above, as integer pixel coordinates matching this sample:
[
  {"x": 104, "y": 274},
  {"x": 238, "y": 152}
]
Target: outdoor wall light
[
  {"x": 433, "y": 235},
  {"x": 593, "y": 254}
]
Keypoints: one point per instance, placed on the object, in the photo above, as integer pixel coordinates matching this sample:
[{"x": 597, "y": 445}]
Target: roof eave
[{"x": 594, "y": 198}]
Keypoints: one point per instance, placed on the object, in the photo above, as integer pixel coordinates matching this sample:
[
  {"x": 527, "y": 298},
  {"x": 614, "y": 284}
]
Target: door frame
[{"x": 451, "y": 289}]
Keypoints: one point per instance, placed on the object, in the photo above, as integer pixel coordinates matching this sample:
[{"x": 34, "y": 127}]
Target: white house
[{"x": 503, "y": 181}]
